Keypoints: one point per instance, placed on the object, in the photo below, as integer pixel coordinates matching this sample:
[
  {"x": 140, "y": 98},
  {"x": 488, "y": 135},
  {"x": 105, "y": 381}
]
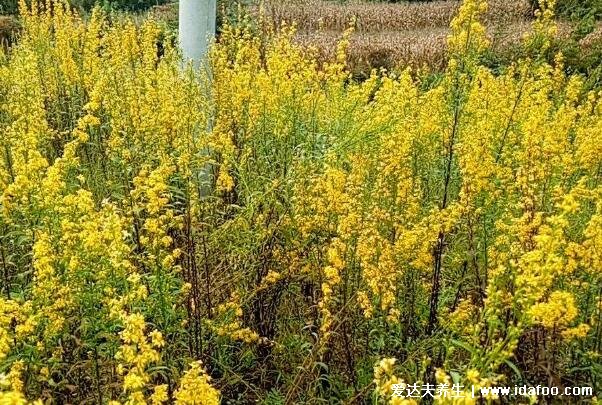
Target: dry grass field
[
  {"x": 390, "y": 35},
  {"x": 311, "y": 15},
  {"x": 8, "y": 27},
  {"x": 394, "y": 49}
]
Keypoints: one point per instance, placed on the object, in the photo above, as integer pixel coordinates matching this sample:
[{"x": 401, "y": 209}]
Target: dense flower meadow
[{"x": 266, "y": 230}]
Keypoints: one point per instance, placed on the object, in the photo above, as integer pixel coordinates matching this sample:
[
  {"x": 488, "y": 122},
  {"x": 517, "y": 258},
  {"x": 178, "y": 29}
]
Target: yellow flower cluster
[
  {"x": 137, "y": 353},
  {"x": 195, "y": 388},
  {"x": 467, "y": 31},
  {"x": 384, "y": 378},
  {"x": 335, "y": 254},
  {"x": 558, "y": 311},
  {"x": 230, "y": 324}
]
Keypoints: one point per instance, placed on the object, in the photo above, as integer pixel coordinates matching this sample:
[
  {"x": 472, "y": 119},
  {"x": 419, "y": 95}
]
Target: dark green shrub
[
  {"x": 576, "y": 9},
  {"x": 11, "y": 6},
  {"x": 128, "y": 5},
  {"x": 8, "y": 6}
]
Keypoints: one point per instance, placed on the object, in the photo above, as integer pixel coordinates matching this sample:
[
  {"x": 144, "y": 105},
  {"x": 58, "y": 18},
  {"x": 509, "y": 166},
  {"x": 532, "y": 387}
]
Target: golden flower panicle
[
  {"x": 578, "y": 332},
  {"x": 468, "y": 34},
  {"x": 556, "y": 312},
  {"x": 195, "y": 387}
]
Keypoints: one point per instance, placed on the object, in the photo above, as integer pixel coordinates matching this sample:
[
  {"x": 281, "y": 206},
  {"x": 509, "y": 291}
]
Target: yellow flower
[
  {"x": 557, "y": 312},
  {"x": 577, "y": 332},
  {"x": 195, "y": 388},
  {"x": 159, "y": 395},
  {"x": 157, "y": 338}
]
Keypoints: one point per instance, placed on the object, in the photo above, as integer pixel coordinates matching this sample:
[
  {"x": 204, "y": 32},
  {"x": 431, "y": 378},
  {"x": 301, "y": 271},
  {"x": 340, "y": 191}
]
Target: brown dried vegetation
[
  {"x": 311, "y": 15},
  {"x": 391, "y": 35},
  {"x": 8, "y": 28}
]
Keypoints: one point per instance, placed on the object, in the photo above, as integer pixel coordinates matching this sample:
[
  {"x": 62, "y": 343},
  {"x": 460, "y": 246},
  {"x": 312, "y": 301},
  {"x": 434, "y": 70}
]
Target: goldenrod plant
[{"x": 351, "y": 237}]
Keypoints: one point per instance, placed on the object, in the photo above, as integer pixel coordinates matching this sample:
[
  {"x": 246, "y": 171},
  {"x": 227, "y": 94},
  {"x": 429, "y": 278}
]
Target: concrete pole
[
  {"x": 196, "y": 28},
  {"x": 196, "y": 31}
]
